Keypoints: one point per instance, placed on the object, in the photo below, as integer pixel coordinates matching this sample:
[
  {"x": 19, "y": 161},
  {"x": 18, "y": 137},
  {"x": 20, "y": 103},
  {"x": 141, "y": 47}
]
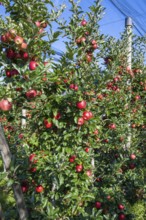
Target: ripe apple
[
  {"x": 98, "y": 205},
  {"x": 31, "y": 94},
  {"x": 72, "y": 158},
  {"x": 88, "y": 58},
  {"x": 18, "y": 40},
  {"x": 132, "y": 166},
  {"x": 44, "y": 24},
  {"x": 83, "y": 39},
  {"x": 33, "y": 65},
  {"x": 121, "y": 216},
  {"x": 137, "y": 97},
  {"x": 96, "y": 132},
  {"x": 57, "y": 116},
  {"x": 4, "y": 38},
  {"x": 78, "y": 40},
  {"x": 83, "y": 22},
  {"x": 133, "y": 126},
  {"x": 87, "y": 149},
  {"x": 95, "y": 46},
  {"x": 38, "y": 23},
  {"x": 8, "y": 73},
  {"x": 132, "y": 156},
  {"x": 10, "y": 53},
  {"x": 39, "y": 189},
  {"x": 87, "y": 115},
  {"x": 80, "y": 121},
  {"x": 81, "y": 104},
  {"x": 33, "y": 169},
  {"x": 14, "y": 72},
  {"x": 112, "y": 126},
  {"x": 48, "y": 124},
  {"x": 5, "y": 105},
  {"x": 24, "y": 188},
  {"x": 79, "y": 168},
  {"x": 24, "y": 55},
  {"x": 31, "y": 158},
  {"x": 23, "y": 46},
  {"x": 93, "y": 42},
  {"x": 89, "y": 173},
  {"x": 121, "y": 207},
  {"x": 129, "y": 70},
  {"x": 74, "y": 87}
]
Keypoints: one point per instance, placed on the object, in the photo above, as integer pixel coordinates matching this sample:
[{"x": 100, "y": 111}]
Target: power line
[{"x": 121, "y": 11}]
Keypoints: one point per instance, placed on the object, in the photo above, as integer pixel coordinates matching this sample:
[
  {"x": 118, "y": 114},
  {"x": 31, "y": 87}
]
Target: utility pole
[{"x": 128, "y": 25}]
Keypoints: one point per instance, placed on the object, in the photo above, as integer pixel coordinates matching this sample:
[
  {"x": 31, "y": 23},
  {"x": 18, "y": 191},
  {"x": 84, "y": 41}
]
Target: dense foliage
[{"x": 81, "y": 153}]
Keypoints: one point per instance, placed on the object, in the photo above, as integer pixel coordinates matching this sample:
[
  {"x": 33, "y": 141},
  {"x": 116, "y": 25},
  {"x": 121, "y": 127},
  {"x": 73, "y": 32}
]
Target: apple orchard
[{"x": 81, "y": 152}]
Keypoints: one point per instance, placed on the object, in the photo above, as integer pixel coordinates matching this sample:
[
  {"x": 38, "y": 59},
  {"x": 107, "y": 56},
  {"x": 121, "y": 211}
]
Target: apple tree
[{"x": 66, "y": 122}]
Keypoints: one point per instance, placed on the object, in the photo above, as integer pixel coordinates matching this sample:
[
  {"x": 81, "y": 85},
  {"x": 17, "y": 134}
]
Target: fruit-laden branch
[{"x": 6, "y": 156}]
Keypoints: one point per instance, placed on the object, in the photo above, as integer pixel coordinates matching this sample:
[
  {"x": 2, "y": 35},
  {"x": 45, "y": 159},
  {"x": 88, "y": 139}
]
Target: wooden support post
[{"x": 6, "y": 157}]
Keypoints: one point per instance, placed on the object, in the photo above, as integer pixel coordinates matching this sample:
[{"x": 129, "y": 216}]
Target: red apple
[
  {"x": 24, "y": 188},
  {"x": 98, "y": 205},
  {"x": 14, "y": 72},
  {"x": 96, "y": 131},
  {"x": 4, "y": 38},
  {"x": 132, "y": 166},
  {"x": 48, "y": 124},
  {"x": 78, "y": 40},
  {"x": 132, "y": 156},
  {"x": 5, "y": 105},
  {"x": 112, "y": 126},
  {"x": 87, "y": 149},
  {"x": 31, "y": 94},
  {"x": 18, "y": 40},
  {"x": 10, "y": 53},
  {"x": 89, "y": 173},
  {"x": 57, "y": 116},
  {"x": 33, "y": 65},
  {"x": 38, "y": 23},
  {"x": 93, "y": 42},
  {"x": 137, "y": 97},
  {"x": 23, "y": 46},
  {"x": 44, "y": 24},
  {"x": 33, "y": 169},
  {"x": 80, "y": 121},
  {"x": 88, "y": 58},
  {"x": 39, "y": 189},
  {"x": 83, "y": 39},
  {"x": 79, "y": 168},
  {"x": 31, "y": 158},
  {"x": 121, "y": 207},
  {"x": 81, "y": 104},
  {"x": 87, "y": 115},
  {"x": 83, "y": 22},
  {"x": 72, "y": 158},
  {"x": 24, "y": 55},
  {"x": 121, "y": 216},
  {"x": 95, "y": 46},
  {"x": 8, "y": 73}
]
